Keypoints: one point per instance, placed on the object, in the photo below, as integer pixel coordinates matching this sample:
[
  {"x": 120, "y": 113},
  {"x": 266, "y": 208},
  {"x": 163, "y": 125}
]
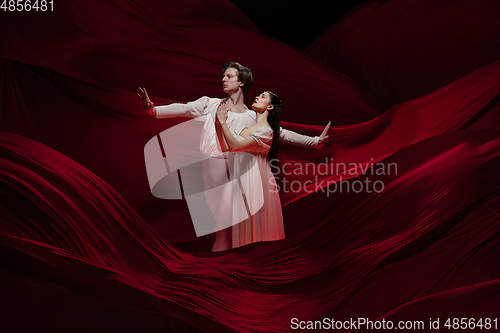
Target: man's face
[{"x": 230, "y": 82}]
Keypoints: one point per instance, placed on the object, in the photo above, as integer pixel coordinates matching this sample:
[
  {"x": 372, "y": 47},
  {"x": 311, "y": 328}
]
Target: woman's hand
[
  {"x": 222, "y": 112},
  {"x": 323, "y": 135},
  {"x": 146, "y": 102}
]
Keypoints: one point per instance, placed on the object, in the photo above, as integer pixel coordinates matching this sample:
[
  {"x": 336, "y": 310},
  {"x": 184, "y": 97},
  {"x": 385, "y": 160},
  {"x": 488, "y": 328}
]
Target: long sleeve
[
  {"x": 299, "y": 139},
  {"x": 192, "y": 109}
]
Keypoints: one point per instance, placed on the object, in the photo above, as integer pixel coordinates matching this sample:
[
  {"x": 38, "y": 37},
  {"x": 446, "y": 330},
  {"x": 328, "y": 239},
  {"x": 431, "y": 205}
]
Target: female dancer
[{"x": 260, "y": 139}]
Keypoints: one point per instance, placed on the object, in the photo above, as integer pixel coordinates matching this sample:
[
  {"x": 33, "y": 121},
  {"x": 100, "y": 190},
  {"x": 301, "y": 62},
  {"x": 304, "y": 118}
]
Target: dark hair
[
  {"x": 244, "y": 74},
  {"x": 274, "y": 120}
]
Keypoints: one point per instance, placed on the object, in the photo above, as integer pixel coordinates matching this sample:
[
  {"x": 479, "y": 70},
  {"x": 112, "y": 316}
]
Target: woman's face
[
  {"x": 261, "y": 103},
  {"x": 230, "y": 81}
]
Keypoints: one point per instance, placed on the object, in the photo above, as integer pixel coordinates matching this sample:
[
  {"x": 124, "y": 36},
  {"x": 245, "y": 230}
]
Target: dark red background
[{"x": 86, "y": 247}]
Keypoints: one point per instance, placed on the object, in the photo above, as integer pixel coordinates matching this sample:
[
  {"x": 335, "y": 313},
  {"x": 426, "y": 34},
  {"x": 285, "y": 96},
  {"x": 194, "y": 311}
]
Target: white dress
[{"x": 266, "y": 224}]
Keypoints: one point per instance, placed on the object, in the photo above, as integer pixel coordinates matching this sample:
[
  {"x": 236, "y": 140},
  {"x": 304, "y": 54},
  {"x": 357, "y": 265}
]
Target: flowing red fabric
[
  {"x": 86, "y": 247},
  {"x": 404, "y": 49}
]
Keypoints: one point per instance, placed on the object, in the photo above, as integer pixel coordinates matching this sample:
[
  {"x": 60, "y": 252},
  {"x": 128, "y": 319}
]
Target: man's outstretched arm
[
  {"x": 192, "y": 109},
  {"x": 304, "y": 140}
]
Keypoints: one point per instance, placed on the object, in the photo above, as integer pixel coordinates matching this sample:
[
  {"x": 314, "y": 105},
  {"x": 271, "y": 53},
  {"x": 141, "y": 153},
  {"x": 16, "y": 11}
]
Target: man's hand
[
  {"x": 222, "y": 112},
  {"x": 146, "y": 102},
  {"x": 323, "y": 135}
]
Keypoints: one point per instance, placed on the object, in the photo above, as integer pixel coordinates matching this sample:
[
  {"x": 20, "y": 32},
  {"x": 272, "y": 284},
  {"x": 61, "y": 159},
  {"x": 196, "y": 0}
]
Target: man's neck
[{"x": 236, "y": 102}]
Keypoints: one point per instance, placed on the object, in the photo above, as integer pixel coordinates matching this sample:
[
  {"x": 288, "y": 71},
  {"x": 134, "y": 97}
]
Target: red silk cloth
[{"x": 85, "y": 246}]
